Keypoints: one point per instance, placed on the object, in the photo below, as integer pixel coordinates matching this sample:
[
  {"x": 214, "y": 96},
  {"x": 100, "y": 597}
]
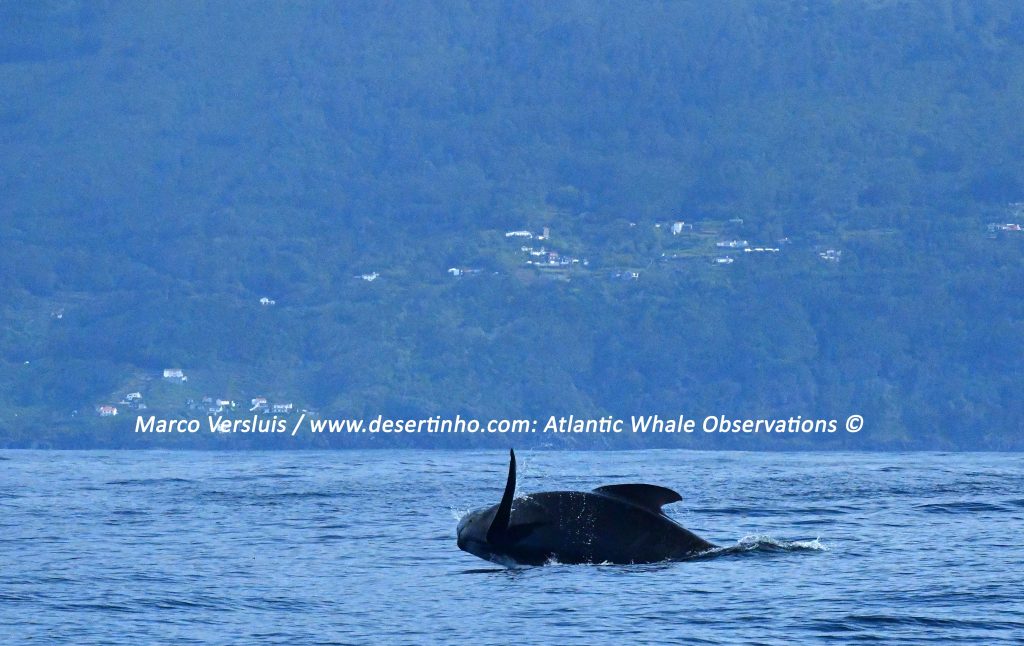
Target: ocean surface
[{"x": 358, "y": 547}]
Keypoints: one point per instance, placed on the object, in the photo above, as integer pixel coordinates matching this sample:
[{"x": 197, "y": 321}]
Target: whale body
[{"x": 621, "y": 524}]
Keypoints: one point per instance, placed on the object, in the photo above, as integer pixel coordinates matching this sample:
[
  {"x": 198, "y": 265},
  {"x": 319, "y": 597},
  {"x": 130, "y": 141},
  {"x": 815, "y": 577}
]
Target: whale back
[
  {"x": 595, "y": 527},
  {"x": 620, "y": 523}
]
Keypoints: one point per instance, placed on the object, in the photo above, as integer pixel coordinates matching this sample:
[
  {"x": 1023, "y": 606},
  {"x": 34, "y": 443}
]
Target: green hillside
[{"x": 164, "y": 167}]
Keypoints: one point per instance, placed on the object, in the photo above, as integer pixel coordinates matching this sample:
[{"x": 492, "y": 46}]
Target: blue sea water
[{"x": 353, "y": 547}]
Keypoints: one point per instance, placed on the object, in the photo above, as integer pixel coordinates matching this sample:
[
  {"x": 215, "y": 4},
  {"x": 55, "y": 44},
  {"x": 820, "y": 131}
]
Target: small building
[
  {"x": 258, "y": 403},
  {"x": 724, "y": 260},
  {"x": 107, "y": 411},
  {"x": 225, "y": 402},
  {"x": 133, "y": 396},
  {"x": 518, "y": 234},
  {"x": 830, "y": 255},
  {"x": 677, "y": 228},
  {"x": 175, "y": 374},
  {"x": 370, "y": 277},
  {"x": 455, "y": 271},
  {"x": 267, "y": 302},
  {"x": 282, "y": 408}
]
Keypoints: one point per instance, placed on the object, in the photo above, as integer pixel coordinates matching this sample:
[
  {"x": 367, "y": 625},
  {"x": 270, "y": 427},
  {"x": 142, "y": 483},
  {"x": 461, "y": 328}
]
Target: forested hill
[{"x": 755, "y": 209}]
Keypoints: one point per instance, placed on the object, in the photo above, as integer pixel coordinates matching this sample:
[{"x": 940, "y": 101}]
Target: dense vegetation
[{"x": 164, "y": 166}]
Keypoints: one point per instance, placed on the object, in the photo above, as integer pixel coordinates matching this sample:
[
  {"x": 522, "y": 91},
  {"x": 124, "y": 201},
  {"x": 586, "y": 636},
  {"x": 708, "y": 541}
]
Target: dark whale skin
[
  {"x": 587, "y": 527},
  {"x": 619, "y": 523}
]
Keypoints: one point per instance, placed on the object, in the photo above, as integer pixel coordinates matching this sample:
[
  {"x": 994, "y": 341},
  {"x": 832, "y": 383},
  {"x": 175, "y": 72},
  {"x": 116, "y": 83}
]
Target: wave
[
  {"x": 960, "y": 507},
  {"x": 926, "y": 621},
  {"x": 149, "y": 481},
  {"x": 300, "y": 495},
  {"x": 750, "y": 544},
  {"x": 268, "y": 499},
  {"x": 248, "y": 477},
  {"x": 765, "y": 544}
]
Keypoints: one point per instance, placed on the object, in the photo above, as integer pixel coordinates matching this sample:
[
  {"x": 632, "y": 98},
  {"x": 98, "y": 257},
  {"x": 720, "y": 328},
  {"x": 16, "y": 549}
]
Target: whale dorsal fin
[
  {"x": 499, "y": 525},
  {"x": 650, "y": 497}
]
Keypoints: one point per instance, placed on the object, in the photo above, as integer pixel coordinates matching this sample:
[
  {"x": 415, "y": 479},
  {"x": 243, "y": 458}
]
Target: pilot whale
[{"x": 621, "y": 523}]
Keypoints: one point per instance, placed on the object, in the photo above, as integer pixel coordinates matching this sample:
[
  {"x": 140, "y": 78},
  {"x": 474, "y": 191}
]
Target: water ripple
[{"x": 302, "y": 548}]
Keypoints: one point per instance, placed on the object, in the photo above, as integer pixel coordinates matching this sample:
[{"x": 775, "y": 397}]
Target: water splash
[{"x": 763, "y": 543}]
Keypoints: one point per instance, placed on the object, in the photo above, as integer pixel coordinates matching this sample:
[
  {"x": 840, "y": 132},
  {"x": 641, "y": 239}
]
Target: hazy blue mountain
[{"x": 165, "y": 166}]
